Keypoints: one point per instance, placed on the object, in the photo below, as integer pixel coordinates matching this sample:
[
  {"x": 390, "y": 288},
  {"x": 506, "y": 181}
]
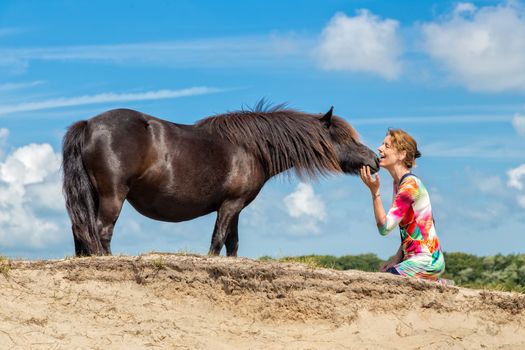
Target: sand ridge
[{"x": 197, "y": 302}]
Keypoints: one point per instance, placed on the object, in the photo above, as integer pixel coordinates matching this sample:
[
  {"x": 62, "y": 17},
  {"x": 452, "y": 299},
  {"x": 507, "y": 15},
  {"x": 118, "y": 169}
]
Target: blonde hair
[{"x": 403, "y": 142}]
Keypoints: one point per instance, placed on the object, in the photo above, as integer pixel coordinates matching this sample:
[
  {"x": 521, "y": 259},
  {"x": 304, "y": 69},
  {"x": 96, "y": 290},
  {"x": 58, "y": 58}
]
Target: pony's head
[{"x": 350, "y": 152}]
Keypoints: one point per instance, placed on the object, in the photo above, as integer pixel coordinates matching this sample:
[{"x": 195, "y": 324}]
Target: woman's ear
[{"x": 402, "y": 155}]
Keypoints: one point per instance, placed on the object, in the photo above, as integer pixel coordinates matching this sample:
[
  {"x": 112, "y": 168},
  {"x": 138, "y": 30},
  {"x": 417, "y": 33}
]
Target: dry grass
[{"x": 5, "y": 266}]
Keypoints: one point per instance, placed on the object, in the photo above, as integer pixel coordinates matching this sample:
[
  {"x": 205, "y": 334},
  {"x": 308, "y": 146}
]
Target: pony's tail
[{"x": 80, "y": 195}]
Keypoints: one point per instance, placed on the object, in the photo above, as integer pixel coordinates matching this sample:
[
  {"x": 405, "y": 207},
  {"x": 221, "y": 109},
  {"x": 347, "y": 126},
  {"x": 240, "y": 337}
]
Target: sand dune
[{"x": 195, "y": 302}]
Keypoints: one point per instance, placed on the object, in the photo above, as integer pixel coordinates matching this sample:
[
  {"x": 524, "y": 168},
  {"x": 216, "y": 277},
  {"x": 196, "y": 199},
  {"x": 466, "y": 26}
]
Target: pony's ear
[{"x": 327, "y": 118}]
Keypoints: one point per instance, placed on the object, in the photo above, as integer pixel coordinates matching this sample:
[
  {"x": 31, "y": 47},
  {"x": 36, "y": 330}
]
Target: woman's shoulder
[
  {"x": 413, "y": 186},
  {"x": 410, "y": 182},
  {"x": 409, "y": 178}
]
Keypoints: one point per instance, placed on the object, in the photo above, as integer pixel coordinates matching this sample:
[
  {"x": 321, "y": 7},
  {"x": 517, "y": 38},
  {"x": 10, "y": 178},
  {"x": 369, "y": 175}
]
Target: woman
[{"x": 420, "y": 253}]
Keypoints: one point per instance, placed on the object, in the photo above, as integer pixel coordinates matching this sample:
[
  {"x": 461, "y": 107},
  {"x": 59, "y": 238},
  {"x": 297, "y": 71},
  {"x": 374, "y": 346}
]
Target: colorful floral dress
[{"x": 411, "y": 210}]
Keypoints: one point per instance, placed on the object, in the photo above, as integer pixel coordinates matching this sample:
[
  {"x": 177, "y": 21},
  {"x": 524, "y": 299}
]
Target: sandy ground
[{"x": 194, "y": 302}]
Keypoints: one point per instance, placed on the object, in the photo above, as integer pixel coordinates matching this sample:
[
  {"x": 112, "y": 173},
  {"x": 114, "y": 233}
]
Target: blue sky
[{"x": 450, "y": 73}]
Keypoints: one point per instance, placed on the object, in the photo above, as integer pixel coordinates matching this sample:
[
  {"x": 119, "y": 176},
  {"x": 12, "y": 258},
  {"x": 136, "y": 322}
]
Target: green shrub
[{"x": 498, "y": 272}]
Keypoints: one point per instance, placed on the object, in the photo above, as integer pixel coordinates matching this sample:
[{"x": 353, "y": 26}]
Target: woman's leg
[{"x": 392, "y": 270}]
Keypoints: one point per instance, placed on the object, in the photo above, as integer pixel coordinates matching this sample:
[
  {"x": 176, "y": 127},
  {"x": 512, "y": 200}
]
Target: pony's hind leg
[
  {"x": 108, "y": 213},
  {"x": 80, "y": 247},
  {"x": 227, "y": 213}
]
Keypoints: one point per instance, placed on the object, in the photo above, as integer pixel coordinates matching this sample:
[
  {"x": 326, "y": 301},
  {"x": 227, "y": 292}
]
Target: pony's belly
[{"x": 172, "y": 210}]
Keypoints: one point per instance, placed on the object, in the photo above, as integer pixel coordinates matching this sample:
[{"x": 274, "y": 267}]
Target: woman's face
[{"x": 388, "y": 155}]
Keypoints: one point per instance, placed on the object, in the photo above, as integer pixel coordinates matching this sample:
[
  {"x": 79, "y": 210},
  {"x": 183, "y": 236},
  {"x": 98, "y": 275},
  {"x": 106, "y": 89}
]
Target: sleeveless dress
[{"x": 412, "y": 212}]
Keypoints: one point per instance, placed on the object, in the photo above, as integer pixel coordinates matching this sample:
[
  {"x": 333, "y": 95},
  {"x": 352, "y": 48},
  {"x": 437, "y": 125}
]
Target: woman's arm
[
  {"x": 373, "y": 185},
  {"x": 379, "y": 211},
  {"x": 403, "y": 201}
]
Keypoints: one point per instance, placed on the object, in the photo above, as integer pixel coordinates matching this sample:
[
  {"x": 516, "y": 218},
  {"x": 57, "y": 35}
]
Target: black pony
[{"x": 175, "y": 172}]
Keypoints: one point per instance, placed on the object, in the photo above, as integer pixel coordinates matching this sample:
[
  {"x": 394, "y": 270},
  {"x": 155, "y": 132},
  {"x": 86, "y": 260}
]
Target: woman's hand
[
  {"x": 372, "y": 182},
  {"x": 396, "y": 259}
]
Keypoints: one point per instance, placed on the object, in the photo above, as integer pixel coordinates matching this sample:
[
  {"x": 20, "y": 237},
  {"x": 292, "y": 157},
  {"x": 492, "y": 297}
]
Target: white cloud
[
  {"x": 216, "y": 52},
  {"x": 12, "y": 64},
  {"x": 306, "y": 206},
  {"x": 488, "y": 184},
  {"x": 481, "y": 48},
  {"x": 364, "y": 43},
  {"x": 304, "y": 202},
  {"x": 515, "y": 177},
  {"x": 29, "y": 181},
  {"x": 29, "y": 164},
  {"x": 4, "y": 133},
  {"x": 105, "y": 98},
  {"x": 19, "y": 86},
  {"x": 481, "y": 149},
  {"x": 47, "y": 195},
  {"x": 518, "y": 122},
  {"x": 464, "y": 7},
  {"x": 439, "y": 119}
]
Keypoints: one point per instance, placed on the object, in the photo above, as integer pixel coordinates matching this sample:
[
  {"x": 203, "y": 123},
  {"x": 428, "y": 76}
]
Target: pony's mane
[{"x": 282, "y": 138}]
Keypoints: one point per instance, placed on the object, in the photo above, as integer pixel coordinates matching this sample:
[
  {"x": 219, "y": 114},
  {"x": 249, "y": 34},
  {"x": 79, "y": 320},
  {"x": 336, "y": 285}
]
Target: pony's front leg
[
  {"x": 232, "y": 237},
  {"x": 227, "y": 214}
]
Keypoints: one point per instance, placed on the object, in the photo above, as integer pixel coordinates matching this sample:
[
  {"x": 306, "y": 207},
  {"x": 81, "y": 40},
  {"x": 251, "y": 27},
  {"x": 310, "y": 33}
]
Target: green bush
[{"x": 499, "y": 272}]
